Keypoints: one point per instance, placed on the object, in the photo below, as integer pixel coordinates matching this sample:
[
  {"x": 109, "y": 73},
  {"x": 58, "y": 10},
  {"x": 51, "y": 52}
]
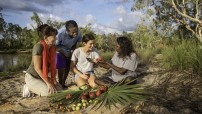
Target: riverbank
[{"x": 14, "y": 51}]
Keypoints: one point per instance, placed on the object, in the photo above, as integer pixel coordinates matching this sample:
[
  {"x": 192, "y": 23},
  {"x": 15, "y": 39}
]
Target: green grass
[
  {"x": 183, "y": 56},
  {"x": 146, "y": 55}
]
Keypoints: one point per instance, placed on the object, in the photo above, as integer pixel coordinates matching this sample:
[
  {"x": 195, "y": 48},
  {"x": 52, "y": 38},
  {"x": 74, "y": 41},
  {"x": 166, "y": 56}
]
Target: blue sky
[{"x": 105, "y": 16}]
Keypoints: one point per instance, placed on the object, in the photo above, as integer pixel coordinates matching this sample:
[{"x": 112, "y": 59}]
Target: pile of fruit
[
  {"x": 95, "y": 98},
  {"x": 80, "y": 99}
]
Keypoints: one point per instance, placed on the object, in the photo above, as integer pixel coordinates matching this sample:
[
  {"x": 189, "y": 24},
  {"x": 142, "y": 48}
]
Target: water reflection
[{"x": 11, "y": 62}]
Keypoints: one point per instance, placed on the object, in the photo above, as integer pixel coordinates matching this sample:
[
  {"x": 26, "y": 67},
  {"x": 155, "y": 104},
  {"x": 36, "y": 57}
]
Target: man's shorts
[{"x": 61, "y": 61}]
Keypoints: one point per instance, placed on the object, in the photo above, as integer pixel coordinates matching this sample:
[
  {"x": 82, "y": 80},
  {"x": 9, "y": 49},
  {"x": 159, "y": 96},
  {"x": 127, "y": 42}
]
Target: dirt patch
[{"x": 11, "y": 100}]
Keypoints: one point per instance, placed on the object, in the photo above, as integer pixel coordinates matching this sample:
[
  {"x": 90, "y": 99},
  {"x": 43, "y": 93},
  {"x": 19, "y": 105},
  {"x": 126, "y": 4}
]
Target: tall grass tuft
[
  {"x": 146, "y": 55},
  {"x": 183, "y": 56}
]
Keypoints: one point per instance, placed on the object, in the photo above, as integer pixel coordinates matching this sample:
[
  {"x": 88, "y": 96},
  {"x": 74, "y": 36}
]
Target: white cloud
[
  {"x": 90, "y": 19},
  {"x": 85, "y": 20},
  {"x": 121, "y": 19},
  {"x": 96, "y": 27},
  {"x": 110, "y": 18},
  {"x": 120, "y": 10},
  {"x": 104, "y": 29},
  {"x": 44, "y": 18},
  {"x": 127, "y": 21}
]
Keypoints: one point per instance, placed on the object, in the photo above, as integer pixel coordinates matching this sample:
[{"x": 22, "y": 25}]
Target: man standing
[{"x": 66, "y": 44}]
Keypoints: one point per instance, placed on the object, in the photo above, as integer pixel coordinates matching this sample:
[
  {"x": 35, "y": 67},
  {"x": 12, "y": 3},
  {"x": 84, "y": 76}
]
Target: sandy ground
[{"x": 12, "y": 102}]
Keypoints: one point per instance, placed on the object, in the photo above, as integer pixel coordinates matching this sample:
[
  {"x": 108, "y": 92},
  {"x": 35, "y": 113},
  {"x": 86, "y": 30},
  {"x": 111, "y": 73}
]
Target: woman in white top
[
  {"x": 123, "y": 63},
  {"x": 83, "y": 59}
]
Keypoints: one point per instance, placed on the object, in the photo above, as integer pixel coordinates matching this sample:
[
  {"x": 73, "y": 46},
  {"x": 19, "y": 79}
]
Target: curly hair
[{"x": 126, "y": 47}]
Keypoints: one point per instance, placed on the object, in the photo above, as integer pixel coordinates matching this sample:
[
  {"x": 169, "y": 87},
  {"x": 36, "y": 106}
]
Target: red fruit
[
  {"x": 103, "y": 88},
  {"x": 69, "y": 109},
  {"x": 85, "y": 93},
  {"x": 98, "y": 93},
  {"x": 100, "y": 59},
  {"x": 84, "y": 97},
  {"x": 92, "y": 95},
  {"x": 68, "y": 96}
]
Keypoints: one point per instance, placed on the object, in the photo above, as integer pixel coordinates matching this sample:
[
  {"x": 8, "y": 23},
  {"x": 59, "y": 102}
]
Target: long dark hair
[
  {"x": 40, "y": 30},
  {"x": 49, "y": 31},
  {"x": 126, "y": 47}
]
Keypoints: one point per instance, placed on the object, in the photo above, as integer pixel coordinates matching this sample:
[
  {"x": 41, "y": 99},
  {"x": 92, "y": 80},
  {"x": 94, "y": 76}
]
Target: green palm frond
[
  {"x": 122, "y": 94},
  {"x": 61, "y": 96},
  {"x": 117, "y": 94}
]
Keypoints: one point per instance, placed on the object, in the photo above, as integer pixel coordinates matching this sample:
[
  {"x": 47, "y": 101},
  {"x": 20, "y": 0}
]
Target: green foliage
[
  {"x": 146, "y": 55},
  {"x": 6, "y": 75},
  {"x": 147, "y": 43},
  {"x": 14, "y": 37},
  {"x": 147, "y": 40},
  {"x": 61, "y": 96},
  {"x": 144, "y": 37},
  {"x": 2, "y": 22},
  {"x": 26, "y": 39},
  {"x": 36, "y": 19},
  {"x": 183, "y": 55},
  {"x": 100, "y": 42},
  {"x": 106, "y": 42},
  {"x": 107, "y": 55},
  {"x": 55, "y": 23},
  {"x": 86, "y": 30},
  {"x": 185, "y": 15},
  {"x": 119, "y": 93},
  {"x": 11, "y": 34}
]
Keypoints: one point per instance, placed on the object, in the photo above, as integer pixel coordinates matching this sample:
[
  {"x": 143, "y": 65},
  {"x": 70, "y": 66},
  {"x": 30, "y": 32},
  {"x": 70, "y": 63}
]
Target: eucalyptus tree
[
  {"x": 1, "y": 21},
  {"x": 87, "y": 29},
  {"x": 175, "y": 15},
  {"x": 55, "y": 23},
  {"x": 37, "y": 21},
  {"x": 26, "y": 38},
  {"x": 11, "y": 34}
]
